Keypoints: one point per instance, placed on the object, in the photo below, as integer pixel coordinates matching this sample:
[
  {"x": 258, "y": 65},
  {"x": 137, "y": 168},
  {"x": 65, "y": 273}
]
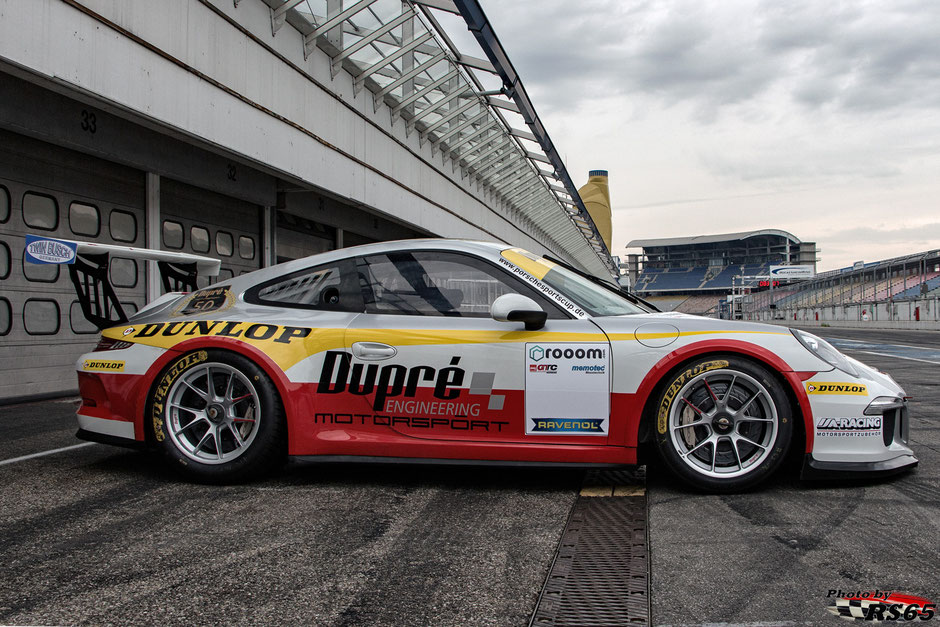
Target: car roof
[{"x": 484, "y": 249}]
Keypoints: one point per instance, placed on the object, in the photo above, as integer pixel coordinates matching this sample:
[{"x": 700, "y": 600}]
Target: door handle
[{"x": 373, "y": 351}]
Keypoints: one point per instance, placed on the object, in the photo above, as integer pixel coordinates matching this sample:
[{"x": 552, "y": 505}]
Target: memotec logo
[
  {"x": 589, "y": 369},
  {"x": 836, "y": 388},
  {"x": 536, "y": 353}
]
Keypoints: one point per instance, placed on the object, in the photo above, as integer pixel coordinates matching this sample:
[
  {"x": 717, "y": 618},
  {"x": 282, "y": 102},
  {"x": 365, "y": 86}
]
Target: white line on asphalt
[
  {"x": 926, "y": 361},
  {"x": 44, "y": 453},
  {"x": 843, "y": 339},
  {"x": 757, "y": 624}
]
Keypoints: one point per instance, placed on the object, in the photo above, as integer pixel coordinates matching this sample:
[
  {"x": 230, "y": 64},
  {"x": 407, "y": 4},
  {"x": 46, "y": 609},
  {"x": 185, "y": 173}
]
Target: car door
[{"x": 428, "y": 360}]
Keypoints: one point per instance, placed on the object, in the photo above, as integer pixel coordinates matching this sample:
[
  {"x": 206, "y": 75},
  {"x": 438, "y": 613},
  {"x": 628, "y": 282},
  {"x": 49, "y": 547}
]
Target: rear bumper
[
  {"x": 103, "y": 438},
  {"x": 815, "y": 469}
]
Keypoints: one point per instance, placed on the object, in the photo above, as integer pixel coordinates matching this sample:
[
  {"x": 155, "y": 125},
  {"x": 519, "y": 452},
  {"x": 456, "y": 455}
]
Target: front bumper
[
  {"x": 861, "y": 426},
  {"x": 817, "y": 470}
]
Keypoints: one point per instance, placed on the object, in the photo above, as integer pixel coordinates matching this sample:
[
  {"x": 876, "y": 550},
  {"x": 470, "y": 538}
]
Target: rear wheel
[
  {"x": 723, "y": 423},
  {"x": 218, "y": 417}
]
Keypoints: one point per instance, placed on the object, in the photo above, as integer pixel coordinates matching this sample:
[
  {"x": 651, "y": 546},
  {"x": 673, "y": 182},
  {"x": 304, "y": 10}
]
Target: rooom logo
[{"x": 880, "y": 606}]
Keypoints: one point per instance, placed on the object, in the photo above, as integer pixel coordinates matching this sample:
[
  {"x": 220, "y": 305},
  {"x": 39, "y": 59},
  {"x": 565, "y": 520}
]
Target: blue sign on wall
[{"x": 48, "y": 250}]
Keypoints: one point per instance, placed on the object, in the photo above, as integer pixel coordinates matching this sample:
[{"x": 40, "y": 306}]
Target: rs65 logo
[{"x": 880, "y": 606}]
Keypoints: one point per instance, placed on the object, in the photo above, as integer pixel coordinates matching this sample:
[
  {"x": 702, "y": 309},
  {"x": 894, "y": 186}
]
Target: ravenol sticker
[
  {"x": 853, "y": 389},
  {"x": 574, "y": 426},
  {"x": 103, "y": 365},
  {"x": 47, "y": 250}
]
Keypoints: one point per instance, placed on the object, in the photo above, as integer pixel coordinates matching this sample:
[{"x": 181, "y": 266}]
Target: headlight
[{"x": 825, "y": 351}]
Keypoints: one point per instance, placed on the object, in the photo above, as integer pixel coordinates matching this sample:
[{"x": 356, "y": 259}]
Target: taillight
[{"x": 108, "y": 344}]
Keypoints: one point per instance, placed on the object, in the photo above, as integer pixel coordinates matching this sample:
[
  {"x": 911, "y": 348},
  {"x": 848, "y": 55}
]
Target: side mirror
[{"x": 519, "y": 308}]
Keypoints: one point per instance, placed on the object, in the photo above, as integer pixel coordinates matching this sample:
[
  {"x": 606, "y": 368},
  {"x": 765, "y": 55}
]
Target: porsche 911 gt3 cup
[{"x": 455, "y": 350}]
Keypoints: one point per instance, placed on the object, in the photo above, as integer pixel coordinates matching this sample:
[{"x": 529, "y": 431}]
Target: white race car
[{"x": 455, "y": 350}]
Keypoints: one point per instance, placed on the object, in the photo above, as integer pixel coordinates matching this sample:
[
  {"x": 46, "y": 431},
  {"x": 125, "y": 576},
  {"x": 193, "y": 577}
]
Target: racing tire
[
  {"x": 722, "y": 423},
  {"x": 217, "y": 417}
]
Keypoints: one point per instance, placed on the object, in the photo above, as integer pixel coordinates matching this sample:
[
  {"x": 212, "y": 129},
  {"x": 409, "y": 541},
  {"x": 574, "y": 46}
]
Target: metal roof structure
[
  {"x": 709, "y": 239},
  {"x": 399, "y": 52}
]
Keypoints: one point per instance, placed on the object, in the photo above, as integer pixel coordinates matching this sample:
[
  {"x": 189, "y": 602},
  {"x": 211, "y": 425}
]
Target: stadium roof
[
  {"x": 401, "y": 52},
  {"x": 708, "y": 239}
]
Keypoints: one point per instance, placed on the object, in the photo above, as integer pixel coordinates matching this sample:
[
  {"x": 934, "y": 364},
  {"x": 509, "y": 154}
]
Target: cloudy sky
[{"x": 820, "y": 117}]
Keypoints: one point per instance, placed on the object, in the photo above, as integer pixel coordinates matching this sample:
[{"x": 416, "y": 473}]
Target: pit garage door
[
  {"x": 201, "y": 222},
  {"x": 47, "y": 190}
]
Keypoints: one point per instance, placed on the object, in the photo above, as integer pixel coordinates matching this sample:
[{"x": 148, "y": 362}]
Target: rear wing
[{"x": 88, "y": 264}]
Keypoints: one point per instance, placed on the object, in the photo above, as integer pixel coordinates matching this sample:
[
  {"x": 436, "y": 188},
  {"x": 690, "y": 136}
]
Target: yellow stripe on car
[
  {"x": 536, "y": 266},
  {"x": 288, "y": 345}
]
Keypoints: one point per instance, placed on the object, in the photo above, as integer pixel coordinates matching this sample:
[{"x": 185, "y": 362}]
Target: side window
[
  {"x": 4, "y": 204},
  {"x": 123, "y": 226},
  {"x": 436, "y": 284},
  {"x": 6, "y": 316},
  {"x": 84, "y": 219},
  {"x": 41, "y": 316},
  {"x": 246, "y": 247},
  {"x": 172, "y": 234},
  {"x": 330, "y": 287},
  {"x": 77, "y": 321},
  {"x": 40, "y": 272},
  {"x": 40, "y": 211},
  {"x": 4, "y": 260},
  {"x": 199, "y": 238},
  {"x": 224, "y": 243},
  {"x": 123, "y": 272}
]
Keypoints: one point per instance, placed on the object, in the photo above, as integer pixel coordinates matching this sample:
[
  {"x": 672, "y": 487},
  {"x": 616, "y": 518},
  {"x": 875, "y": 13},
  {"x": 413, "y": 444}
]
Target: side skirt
[{"x": 343, "y": 459}]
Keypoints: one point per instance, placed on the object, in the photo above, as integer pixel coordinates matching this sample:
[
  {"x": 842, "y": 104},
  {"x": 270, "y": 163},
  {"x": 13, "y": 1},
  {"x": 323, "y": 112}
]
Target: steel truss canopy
[{"x": 469, "y": 108}]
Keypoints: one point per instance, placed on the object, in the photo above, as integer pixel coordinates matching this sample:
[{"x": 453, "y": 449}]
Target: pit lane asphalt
[
  {"x": 98, "y": 535},
  {"x": 772, "y": 555}
]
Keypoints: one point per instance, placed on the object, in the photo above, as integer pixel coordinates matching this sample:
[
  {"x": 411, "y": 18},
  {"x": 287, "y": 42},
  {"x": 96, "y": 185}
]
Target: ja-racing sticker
[{"x": 567, "y": 388}]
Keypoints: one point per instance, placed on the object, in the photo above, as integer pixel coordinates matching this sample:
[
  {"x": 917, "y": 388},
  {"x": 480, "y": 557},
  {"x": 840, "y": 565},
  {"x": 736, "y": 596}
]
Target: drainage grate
[{"x": 600, "y": 572}]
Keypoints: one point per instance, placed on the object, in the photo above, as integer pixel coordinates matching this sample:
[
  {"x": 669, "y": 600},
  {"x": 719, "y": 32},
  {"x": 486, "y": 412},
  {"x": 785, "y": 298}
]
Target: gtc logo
[
  {"x": 545, "y": 368},
  {"x": 536, "y": 353}
]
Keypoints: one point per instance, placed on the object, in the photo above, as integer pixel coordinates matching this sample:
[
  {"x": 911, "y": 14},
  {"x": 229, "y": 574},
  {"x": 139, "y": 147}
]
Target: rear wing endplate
[{"x": 89, "y": 262}]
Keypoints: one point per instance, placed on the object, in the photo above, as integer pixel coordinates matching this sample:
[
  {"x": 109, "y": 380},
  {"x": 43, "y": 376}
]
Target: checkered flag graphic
[{"x": 851, "y": 609}]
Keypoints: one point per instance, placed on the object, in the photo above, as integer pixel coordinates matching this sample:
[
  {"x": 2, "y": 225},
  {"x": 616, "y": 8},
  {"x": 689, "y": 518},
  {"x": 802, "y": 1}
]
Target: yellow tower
[{"x": 596, "y": 197}]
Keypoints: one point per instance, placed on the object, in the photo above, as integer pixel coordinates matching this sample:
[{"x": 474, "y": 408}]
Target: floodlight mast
[{"x": 737, "y": 291}]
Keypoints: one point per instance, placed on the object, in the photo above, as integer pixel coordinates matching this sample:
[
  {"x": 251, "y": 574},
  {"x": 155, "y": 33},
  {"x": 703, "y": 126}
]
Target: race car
[{"x": 460, "y": 351}]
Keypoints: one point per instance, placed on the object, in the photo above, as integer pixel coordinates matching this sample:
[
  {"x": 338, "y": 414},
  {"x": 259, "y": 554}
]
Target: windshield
[{"x": 593, "y": 298}]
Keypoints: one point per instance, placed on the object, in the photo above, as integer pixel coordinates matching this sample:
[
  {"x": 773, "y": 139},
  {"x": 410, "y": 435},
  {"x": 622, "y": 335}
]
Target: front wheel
[
  {"x": 218, "y": 417},
  {"x": 723, "y": 423}
]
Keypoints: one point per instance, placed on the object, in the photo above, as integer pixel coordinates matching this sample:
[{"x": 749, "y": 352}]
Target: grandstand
[
  {"x": 695, "y": 274},
  {"x": 858, "y": 290}
]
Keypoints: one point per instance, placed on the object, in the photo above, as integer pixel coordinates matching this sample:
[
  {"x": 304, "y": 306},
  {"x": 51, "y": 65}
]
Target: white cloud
[{"x": 719, "y": 115}]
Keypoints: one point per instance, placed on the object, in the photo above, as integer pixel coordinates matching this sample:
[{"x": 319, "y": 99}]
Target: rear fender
[{"x": 291, "y": 400}]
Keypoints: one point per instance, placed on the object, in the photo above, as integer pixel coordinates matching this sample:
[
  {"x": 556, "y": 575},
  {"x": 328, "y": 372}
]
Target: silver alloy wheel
[
  {"x": 723, "y": 423},
  {"x": 213, "y": 413}
]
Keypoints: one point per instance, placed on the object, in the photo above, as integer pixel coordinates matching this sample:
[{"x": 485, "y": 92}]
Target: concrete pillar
[
  {"x": 268, "y": 254},
  {"x": 153, "y": 230}
]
